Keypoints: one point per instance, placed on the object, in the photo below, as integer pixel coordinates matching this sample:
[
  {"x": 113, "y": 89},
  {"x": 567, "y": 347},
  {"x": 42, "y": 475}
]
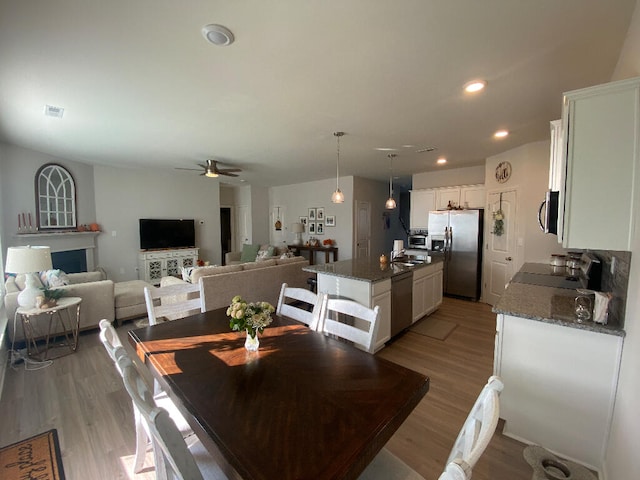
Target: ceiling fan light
[
  {"x": 338, "y": 196},
  {"x": 211, "y": 174}
]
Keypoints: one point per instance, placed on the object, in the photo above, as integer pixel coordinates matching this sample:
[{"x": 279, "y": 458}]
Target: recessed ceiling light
[
  {"x": 501, "y": 133},
  {"x": 218, "y": 35},
  {"x": 385, "y": 149},
  {"x": 408, "y": 146},
  {"x": 441, "y": 161},
  {"x": 475, "y": 86}
]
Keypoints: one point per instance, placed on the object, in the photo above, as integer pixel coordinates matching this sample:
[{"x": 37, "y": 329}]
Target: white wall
[
  {"x": 295, "y": 200},
  {"x": 530, "y": 177},
  {"x": 622, "y": 461},
  {"x": 449, "y": 178},
  {"x": 122, "y": 197}
]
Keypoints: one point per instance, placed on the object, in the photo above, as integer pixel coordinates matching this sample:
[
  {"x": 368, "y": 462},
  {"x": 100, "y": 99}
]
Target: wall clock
[{"x": 503, "y": 172}]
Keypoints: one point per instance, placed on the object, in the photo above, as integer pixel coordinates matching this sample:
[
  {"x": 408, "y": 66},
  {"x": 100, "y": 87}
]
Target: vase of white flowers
[{"x": 251, "y": 317}]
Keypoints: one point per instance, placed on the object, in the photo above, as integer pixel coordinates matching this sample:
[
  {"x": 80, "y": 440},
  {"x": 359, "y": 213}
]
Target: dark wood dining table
[{"x": 304, "y": 406}]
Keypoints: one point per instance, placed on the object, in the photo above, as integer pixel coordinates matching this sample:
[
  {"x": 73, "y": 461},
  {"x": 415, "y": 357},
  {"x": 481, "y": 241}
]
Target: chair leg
[{"x": 141, "y": 443}]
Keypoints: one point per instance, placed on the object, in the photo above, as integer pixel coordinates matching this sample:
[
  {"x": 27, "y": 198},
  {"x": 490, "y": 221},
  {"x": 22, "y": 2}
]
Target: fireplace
[{"x": 71, "y": 252}]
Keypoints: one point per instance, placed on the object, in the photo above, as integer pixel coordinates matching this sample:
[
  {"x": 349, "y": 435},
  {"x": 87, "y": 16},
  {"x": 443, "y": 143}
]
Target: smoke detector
[{"x": 218, "y": 35}]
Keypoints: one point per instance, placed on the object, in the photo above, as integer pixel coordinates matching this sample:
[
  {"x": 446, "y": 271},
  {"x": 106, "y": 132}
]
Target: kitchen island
[
  {"x": 371, "y": 283},
  {"x": 560, "y": 374}
]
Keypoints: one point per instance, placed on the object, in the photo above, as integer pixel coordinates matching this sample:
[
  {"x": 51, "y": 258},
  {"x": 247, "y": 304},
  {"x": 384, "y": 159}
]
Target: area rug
[
  {"x": 434, "y": 328},
  {"x": 36, "y": 457}
]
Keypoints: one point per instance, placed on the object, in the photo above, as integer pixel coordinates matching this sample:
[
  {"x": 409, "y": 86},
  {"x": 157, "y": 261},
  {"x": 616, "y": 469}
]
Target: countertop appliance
[
  {"x": 456, "y": 235},
  {"x": 587, "y": 276},
  {"x": 401, "y": 302},
  {"x": 418, "y": 239}
]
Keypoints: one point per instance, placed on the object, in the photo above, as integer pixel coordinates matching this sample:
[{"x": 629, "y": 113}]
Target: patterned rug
[
  {"x": 434, "y": 328},
  {"x": 36, "y": 457}
]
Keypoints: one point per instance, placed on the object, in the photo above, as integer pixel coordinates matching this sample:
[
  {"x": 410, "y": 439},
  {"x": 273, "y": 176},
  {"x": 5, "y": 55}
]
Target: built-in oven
[{"x": 418, "y": 241}]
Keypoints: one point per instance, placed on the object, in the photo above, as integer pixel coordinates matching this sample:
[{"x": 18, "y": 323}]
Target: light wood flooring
[{"x": 82, "y": 396}]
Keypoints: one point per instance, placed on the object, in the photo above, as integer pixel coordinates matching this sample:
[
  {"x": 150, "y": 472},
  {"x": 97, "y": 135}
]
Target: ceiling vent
[
  {"x": 427, "y": 149},
  {"x": 51, "y": 111}
]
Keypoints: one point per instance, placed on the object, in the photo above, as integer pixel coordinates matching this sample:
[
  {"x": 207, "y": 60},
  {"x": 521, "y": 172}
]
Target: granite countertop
[
  {"x": 549, "y": 305},
  {"x": 368, "y": 270}
]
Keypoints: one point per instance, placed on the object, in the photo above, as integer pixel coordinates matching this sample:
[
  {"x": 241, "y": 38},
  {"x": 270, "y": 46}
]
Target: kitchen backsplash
[{"x": 616, "y": 283}]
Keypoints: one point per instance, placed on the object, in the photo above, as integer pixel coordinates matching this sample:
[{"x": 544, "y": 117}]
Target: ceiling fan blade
[
  {"x": 226, "y": 172},
  {"x": 229, "y": 170}
]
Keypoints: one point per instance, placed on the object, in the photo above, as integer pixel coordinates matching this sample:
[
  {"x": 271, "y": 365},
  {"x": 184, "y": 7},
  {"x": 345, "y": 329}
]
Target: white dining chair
[
  {"x": 173, "y": 459},
  {"x": 172, "y": 302},
  {"x": 116, "y": 350},
  {"x": 303, "y": 300},
  {"x": 362, "y": 328},
  {"x": 473, "y": 439}
]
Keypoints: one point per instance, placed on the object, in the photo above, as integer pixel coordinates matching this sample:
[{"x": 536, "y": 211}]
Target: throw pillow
[
  {"x": 54, "y": 278},
  {"x": 249, "y": 252},
  {"x": 287, "y": 254},
  {"x": 265, "y": 253},
  {"x": 186, "y": 274}
]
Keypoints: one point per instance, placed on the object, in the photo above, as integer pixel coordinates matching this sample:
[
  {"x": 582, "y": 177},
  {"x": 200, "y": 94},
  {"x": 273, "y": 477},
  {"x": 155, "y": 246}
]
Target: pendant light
[
  {"x": 338, "y": 196},
  {"x": 390, "y": 204}
]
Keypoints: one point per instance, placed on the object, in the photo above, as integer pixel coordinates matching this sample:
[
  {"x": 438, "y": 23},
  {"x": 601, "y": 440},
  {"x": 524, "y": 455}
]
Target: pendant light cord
[{"x": 338, "y": 135}]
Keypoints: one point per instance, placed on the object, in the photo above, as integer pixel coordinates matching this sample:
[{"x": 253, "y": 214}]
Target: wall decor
[
  {"x": 330, "y": 221},
  {"x": 319, "y": 228},
  {"x": 311, "y": 228},
  {"x": 312, "y": 214},
  {"x": 320, "y": 214},
  {"x": 503, "y": 172},
  {"x": 278, "y": 223},
  {"x": 304, "y": 220},
  {"x": 55, "y": 198}
]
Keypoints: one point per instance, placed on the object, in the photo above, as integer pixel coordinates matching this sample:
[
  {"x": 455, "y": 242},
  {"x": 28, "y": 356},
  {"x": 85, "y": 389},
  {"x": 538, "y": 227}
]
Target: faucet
[{"x": 396, "y": 254}]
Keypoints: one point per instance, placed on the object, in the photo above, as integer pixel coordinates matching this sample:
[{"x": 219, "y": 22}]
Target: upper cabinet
[
  {"x": 423, "y": 201},
  {"x": 601, "y": 127}
]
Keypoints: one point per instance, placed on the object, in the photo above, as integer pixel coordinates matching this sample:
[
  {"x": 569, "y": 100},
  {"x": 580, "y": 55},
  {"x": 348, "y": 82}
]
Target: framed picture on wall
[
  {"x": 312, "y": 214},
  {"x": 320, "y": 214},
  {"x": 304, "y": 220},
  {"x": 312, "y": 228},
  {"x": 319, "y": 228},
  {"x": 330, "y": 221}
]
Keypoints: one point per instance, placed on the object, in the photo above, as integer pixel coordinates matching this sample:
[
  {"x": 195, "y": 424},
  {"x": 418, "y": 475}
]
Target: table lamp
[
  {"x": 28, "y": 260},
  {"x": 297, "y": 228}
]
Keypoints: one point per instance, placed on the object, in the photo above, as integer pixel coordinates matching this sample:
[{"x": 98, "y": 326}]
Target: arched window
[{"x": 55, "y": 198}]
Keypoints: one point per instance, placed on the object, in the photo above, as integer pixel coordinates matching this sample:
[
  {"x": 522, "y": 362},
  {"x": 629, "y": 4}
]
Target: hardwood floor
[{"x": 82, "y": 396}]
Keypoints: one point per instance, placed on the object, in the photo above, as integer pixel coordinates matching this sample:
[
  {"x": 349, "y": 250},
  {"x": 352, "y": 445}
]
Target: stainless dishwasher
[{"x": 401, "y": 302}]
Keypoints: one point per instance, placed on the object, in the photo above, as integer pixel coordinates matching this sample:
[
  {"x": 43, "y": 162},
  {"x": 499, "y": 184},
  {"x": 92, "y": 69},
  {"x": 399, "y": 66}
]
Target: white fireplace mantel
[{"x": 62, "y": 242}]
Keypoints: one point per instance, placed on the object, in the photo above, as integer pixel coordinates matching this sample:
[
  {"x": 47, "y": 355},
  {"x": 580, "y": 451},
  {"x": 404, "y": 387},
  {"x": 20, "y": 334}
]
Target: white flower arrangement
[{"x": 252, "y": 317}]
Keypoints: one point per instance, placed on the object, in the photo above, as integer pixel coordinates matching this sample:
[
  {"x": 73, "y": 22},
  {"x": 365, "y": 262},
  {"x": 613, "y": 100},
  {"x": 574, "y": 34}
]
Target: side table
[
  {"x": 60, "y": 314},
  {"x": 298, "y": 249}
]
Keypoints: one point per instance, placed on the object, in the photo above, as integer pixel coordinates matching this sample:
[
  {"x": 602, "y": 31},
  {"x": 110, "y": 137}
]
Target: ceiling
[{"x": 141, "y": 87}]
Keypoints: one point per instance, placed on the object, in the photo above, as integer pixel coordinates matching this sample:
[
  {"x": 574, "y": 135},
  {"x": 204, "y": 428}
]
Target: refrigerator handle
[{"x": 450, "y": 241}]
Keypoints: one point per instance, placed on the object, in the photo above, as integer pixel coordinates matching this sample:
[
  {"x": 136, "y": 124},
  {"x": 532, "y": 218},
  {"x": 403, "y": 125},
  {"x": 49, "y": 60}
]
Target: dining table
[{"x": 304, "y": 406}]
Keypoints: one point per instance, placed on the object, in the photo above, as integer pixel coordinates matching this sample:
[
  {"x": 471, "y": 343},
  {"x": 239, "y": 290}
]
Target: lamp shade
[
  {"x": 297, "y": 228},
  {"x": 28, "y": 259}
]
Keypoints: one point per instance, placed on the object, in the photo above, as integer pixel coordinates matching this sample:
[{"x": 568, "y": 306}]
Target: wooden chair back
[
  {"x": 364, "y": 328},
  {"x": 172, "y": 302},
  {"x": 308, "y": 312}
]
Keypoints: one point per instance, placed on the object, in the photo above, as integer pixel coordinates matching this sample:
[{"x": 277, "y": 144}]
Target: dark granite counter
[
  {"x": 549, "y": 305},
  {"x": 368, "y": 270}
]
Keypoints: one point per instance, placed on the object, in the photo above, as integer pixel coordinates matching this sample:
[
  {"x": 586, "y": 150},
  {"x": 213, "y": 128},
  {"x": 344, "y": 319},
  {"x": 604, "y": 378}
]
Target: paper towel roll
[{"x": 398, "y": 245}]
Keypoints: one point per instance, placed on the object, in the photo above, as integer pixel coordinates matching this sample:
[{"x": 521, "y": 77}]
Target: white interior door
[
  {"x": 243, "y": 234},
  {"x": 363, "y": 229},
  {"x": 500, "y": 250}
]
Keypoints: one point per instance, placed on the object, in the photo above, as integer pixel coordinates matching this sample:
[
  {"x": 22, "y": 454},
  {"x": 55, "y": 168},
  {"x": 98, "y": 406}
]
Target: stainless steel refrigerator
[{"x": 456, "y": 235}]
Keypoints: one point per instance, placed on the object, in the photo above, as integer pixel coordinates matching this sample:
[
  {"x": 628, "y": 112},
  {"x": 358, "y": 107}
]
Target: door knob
[{"x": 508, "y": 259}]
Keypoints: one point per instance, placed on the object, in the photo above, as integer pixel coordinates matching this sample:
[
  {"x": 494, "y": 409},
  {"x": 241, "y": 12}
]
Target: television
[{"x": 165, "y": 233}]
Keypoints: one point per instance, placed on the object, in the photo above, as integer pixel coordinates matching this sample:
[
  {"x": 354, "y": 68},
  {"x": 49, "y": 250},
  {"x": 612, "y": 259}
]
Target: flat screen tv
[{"x": 165, "y": 233}]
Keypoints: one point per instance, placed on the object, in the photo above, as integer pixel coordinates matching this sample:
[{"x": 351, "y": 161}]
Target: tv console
[{"x": 155, "y": 264}]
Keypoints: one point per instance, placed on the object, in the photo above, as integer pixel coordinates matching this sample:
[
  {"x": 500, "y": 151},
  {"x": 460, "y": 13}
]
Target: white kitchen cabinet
[
  {"x": 448, "y": 196},
  {"x": 560, "y": 385},
  {"x": 557, "y": 163},
  {"x": 366, "y": 293},
  {"x": 422, "y": 202},
  {"x": 473, "y": 196},
  {"x": 602, "y": 127},
  {"x": 427, "y": 290},
  {"x": 153, "y": 265}
]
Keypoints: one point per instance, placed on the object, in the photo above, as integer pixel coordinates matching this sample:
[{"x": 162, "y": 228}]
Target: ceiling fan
[{"x": 211, "y": 169}]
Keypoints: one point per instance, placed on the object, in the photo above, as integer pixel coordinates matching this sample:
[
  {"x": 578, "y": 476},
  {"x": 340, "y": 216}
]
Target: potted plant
[{"x": 51, "y": 297}]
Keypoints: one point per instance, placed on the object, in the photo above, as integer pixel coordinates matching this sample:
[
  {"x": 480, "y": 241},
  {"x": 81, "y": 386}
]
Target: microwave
[
  {"x": 549, "y": 224},
  {"x": 418, "y": 241}
]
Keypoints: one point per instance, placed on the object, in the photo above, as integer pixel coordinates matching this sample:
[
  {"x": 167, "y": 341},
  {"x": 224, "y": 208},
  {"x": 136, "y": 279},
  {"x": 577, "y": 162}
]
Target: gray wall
[{"x": 124, "y": 196}]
